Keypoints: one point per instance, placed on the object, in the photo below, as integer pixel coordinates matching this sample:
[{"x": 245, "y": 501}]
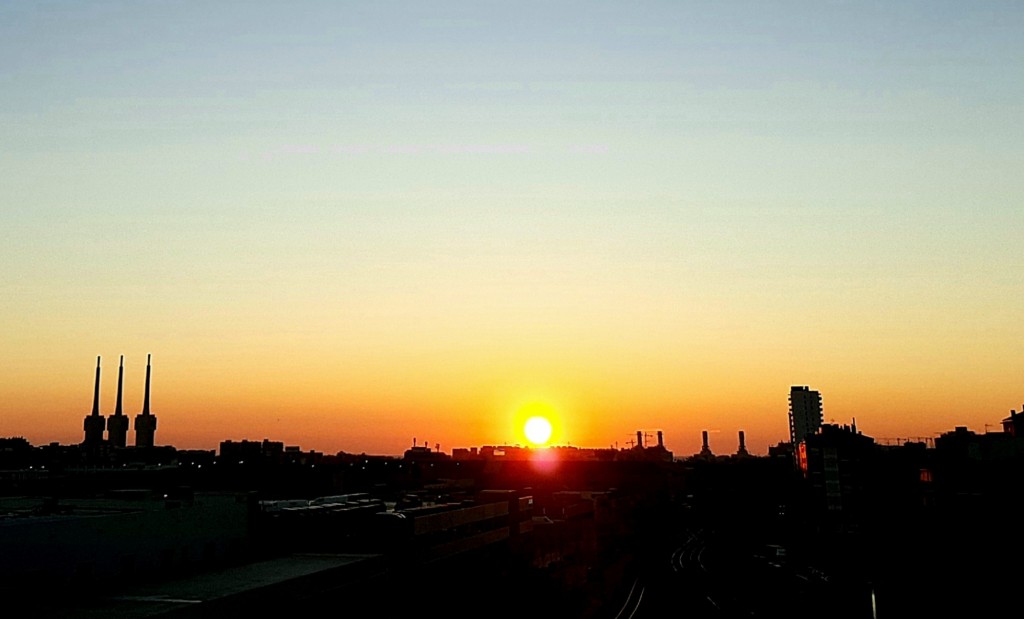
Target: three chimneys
[{"x": 117, "y": 424}]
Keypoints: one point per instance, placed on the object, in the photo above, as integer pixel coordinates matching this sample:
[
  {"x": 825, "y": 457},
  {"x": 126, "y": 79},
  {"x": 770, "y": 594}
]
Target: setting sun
[
  {"x": 537, "y": 430},
  {"x": 538, "y": 422}
]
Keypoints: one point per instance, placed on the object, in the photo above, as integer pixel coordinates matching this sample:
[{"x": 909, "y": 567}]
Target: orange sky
[
  {"x": 356, "y": 405},
  {"x": 344, "y": 226}
]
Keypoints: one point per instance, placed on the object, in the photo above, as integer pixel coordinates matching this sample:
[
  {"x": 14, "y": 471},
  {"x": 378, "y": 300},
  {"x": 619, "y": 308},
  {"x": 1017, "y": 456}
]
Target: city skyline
[
  {"x": 805, "y": 409},
  {"x": 345, "y": 226}
]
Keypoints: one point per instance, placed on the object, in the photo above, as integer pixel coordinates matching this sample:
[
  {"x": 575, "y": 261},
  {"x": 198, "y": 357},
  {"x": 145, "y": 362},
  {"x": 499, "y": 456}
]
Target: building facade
[{"x": 804, "y": 413}]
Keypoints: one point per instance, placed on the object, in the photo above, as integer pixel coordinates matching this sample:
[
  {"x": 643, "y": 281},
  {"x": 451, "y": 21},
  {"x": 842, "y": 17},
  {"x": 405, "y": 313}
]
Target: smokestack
[
  {"x": 95, "y": 423},
  {"x": 640, "y": 438},
  {"x": 117, "y": 424},
  {"x": 705, "y": 450},
  {"x": 120, "y": 388},
  {"x": 145, "y": 423},
  {"x": 96, "y": 392},
  {"x": 661, "y": 441},
  {"x": 145, "y": 404},
  {"x": 854, "y": 425},
  {"x": 742, "y": 451}
]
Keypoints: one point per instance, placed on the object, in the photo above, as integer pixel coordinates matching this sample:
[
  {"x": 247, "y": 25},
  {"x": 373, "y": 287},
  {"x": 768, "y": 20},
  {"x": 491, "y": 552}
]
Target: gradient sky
[{"x": 344, "y": 225}]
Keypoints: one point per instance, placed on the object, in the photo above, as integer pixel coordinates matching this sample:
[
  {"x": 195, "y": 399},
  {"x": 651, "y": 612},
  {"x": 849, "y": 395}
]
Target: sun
[
  {"x": 537, "y": 430},
  {"x": 538, "y": 423}
]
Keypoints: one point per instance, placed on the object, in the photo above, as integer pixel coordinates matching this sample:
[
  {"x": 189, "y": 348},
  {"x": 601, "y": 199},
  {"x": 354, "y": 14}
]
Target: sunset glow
[{"x": 345, "y": 225}]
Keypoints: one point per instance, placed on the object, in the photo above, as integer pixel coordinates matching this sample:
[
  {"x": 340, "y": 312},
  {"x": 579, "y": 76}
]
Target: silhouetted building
[
  {"x": 835, "y": 461},
  {"x": 244, "y": 451},
  {"x": 781, "y": 451},
  {"x": 424, "y": 452},
  {"x": 117, "y": 424},
  {"x": 441, "y": 530},
  {"x": 15, "y": 453},
  {"x": 804, "y": 413},
  {"x": 964, "y": 447},
  {"x": 196, "y": 458},
  {"x": 464, "y": 453},
  {"x": 1014, "y": 424},
  {"x": 145, "y": 423},
  {"x": 639, "y": 452},
  {"x": 961, "y": 443},
  {"x": 95, "y": 423}
]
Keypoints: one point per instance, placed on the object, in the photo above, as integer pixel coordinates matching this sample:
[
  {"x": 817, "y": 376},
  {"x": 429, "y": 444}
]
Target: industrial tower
[
  {"x": 95, "y": 423},
  {"x": 145, "y": 423},
  {"x": 117, "y": 424}
]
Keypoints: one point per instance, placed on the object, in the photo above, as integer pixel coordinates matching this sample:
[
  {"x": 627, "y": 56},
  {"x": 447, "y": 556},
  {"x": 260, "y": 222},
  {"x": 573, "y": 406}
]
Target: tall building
[
  {"x": 117, "y": 424},
  {"x": 145, "y": 423},
  {"x": 804, "y": 413},
  {"x": 95, "y": 423},
  {"x": 837, "y": 462}
]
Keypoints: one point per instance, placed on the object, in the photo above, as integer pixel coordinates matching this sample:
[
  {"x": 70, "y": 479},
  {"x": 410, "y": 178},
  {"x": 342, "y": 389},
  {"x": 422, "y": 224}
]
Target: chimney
[
  {"x": 742, "y": 451},
  {"x": 96, "y": 391},
  {"x": 661, "y": 439},
  {"x": 149, "y": 368},
  {"x": 118, "y": 410},
  {"x": 640, "y": 438},
  {"x": 117, "y": 424},
  {"x": 95, "y": 423},
  {"x": 705, "y": 451},
  {"x": 145, "y": 423}
]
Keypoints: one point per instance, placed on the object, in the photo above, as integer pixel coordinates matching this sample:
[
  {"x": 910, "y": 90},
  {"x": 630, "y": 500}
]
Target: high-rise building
[{"x": 804, "y": 413}]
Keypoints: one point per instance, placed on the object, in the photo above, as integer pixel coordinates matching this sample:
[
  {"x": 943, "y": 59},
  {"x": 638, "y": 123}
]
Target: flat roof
[{"x": 235, "y": 587}]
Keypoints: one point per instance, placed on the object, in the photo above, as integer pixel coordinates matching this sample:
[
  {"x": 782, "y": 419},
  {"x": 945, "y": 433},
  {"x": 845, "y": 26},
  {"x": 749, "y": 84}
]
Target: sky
[{"x": 348, "y": 225}]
